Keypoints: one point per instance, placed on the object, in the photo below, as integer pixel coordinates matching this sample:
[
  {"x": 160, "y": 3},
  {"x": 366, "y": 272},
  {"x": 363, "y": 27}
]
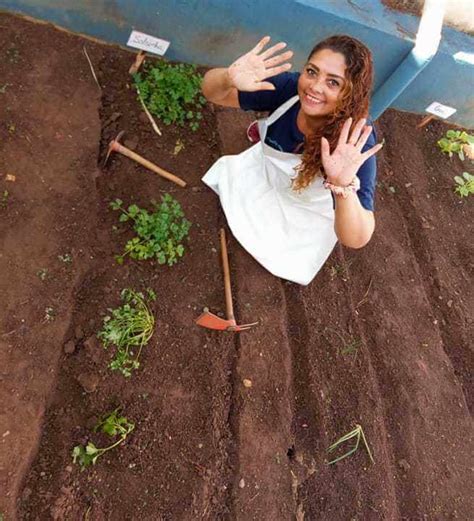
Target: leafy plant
[
  {"x": 457, "y": 142},
  {"x": 159, "y": 234},
  {"x": 358, "y": 434},
  {"x": 465, "y": 184},
  {"x": 111, "y": 424},
  {"x": 172, "y": 93},
  {"x": 128, "y": 328}
]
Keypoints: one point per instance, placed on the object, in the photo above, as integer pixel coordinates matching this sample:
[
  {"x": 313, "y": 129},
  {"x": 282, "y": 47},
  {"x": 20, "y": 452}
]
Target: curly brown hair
[{"x": 353, "y": 102}]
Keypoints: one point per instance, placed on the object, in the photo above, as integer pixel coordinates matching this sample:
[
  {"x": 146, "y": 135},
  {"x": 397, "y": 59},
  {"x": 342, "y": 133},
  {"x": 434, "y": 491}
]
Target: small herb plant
[
  {"x": 160, "y": 234},
  {"x": 172, "y": 93},
  {"x": 465, "y": 184},
  {"x": 457, "y": 142},
  {"x": 113, "y": 425},
  {"x": 128, "y": 328},
  {"x": 358, "y": 434}
]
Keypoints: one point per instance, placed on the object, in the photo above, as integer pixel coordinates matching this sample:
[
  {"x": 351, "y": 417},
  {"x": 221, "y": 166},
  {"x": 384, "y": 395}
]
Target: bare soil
[
  {"x": 459, "y": 14},
  {"x": 381, "y": 338}
]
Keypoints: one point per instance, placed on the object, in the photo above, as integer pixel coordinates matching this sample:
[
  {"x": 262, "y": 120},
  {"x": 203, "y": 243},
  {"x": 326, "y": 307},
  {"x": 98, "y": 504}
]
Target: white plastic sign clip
[
  {"x": 148, "y": 43},
  {"x": 440, "y": 110}
]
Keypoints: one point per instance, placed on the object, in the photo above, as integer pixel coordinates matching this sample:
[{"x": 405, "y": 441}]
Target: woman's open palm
[
  {"x": 249, "y": 72},
  {"x": 343, "y": 163}
]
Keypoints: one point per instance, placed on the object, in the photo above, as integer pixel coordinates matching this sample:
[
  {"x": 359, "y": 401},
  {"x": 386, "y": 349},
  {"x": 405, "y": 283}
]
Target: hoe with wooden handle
[
  {"x": 115, "y": 146},
  {"x": 212, "y": 321}
]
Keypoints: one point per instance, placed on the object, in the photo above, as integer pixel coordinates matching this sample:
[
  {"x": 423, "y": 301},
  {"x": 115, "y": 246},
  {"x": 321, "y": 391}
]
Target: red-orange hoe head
[{"x": 212, "y": 321}]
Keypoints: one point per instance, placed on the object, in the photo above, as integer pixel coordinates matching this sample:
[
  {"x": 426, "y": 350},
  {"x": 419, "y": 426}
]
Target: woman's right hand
[{"x": 248, "y": 72}]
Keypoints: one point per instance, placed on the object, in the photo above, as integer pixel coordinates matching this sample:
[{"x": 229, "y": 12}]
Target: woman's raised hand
[
  {"x": 343, "y": 163},
  {"x": 249, "y": 71}
]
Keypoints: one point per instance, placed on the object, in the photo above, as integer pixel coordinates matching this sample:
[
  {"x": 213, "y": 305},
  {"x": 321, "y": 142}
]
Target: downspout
[{"x": 426, "y": 46}]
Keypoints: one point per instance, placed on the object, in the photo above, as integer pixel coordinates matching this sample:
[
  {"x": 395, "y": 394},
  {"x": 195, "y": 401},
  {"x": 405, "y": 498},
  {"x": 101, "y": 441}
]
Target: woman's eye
[
  {"x": 333, "y": 83},
  {"x": 310, "y": 72}
]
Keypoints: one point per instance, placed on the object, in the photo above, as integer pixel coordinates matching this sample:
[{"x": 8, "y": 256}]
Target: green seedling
[
  {"x": 358, "y": 434},
  {"x": 49, "y": 314},
  {"x": 160, "y": 234},
  {"x": 465, "y": 184},
  {"x": 42, "y": 274},
  {"x": 113, "y": 425},
  {"x": 13, "y": 55},
  {"x": 3, "y": 89},
  {"x": 457, "y": 142},
  {"x": 66, "y": 258},
  {"x": 340, "y": 270},
  {"x": 11, "y": 127},
  {"x": 4, "y": 199},
  {"x": 129, "y": 328},
  {"x": 172, "y": 93},
  {"x": 351, "y": 347},
  {"x": 178, "y": 147}
]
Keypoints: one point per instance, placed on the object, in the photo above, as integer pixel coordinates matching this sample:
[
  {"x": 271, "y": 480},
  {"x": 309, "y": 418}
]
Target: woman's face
[{"x": 321, "y": 83}]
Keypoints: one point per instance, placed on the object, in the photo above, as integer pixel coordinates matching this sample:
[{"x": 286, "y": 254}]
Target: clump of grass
[
  {"x": 358, "y": 435},
  {"x": 111, "y": 424},
  {"x": 129, "y": 328}
]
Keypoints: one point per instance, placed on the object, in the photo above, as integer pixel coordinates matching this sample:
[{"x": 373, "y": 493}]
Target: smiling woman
[{"x": 311, "y": 179}]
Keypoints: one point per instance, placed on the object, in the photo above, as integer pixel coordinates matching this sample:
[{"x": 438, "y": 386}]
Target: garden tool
[
  {"x": 212, "y": 321},
  {"x": 115, "y": 146}
]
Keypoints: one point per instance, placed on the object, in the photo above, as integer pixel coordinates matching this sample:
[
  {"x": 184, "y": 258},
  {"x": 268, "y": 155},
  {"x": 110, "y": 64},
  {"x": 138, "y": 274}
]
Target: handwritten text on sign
[
  {"x": 147, "y": 43},
  {"x": 438, "y": 109}
]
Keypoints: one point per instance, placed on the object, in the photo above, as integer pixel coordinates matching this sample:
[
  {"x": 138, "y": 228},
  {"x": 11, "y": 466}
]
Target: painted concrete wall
[{"x": 214, "y": 32}]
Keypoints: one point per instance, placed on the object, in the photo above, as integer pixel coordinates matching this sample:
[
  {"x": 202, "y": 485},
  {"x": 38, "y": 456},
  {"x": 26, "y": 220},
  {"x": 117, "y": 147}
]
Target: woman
[{"x": 311, "y": 179}]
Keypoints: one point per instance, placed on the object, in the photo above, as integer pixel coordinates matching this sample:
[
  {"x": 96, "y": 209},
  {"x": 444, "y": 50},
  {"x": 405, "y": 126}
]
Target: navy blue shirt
[{"x": 284, "y": 134}]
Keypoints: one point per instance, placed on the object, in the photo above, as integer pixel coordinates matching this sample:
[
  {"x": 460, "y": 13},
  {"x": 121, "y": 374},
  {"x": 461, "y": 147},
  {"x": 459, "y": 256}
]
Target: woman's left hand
[{"x": 343, "y": 164}]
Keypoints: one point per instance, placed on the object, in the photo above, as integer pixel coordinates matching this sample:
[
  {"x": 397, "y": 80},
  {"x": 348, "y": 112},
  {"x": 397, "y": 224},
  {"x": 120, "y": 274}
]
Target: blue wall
[{"x": 214, "y": 32}]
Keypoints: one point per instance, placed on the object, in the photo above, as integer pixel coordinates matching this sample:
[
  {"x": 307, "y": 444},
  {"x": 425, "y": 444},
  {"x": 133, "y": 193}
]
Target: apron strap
[
  {"x": 265, "y": 123},
  {"x": 281, "y": 110}
]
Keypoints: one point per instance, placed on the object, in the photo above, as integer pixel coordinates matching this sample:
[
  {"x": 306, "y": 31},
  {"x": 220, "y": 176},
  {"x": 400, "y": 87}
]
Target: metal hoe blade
[{"x": 211, "y": 321}]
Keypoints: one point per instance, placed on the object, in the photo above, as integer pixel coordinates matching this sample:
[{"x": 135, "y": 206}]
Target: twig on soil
[
  {"x": 86, "y": 515},
  {"x": 364, "y": 298},
  {"x": 147, "y": 112},
  {"x": 91, "y": 66}
]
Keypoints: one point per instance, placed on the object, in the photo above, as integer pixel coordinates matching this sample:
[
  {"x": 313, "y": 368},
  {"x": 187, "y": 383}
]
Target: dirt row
[{"x": 381, "y": 338}]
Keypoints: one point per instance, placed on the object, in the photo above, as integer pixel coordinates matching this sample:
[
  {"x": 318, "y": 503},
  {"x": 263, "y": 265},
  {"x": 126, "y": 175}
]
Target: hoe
[
  {"x": 115, "y": 146},
  {"x": 212, "y": 321}
]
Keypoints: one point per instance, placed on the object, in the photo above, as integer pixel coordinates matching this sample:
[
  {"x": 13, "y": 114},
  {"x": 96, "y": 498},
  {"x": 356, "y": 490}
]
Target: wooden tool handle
[
  {"x": 148, "y": 164},
  {"x": 225, "y": 266}
]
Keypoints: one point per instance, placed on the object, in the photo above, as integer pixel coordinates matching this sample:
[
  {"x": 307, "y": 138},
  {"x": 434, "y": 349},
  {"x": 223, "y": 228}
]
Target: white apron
[{"x": 290, "y": 233}]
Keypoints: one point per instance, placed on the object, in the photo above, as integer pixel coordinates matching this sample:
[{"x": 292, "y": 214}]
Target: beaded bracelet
[{"x": 352, "y": 187}]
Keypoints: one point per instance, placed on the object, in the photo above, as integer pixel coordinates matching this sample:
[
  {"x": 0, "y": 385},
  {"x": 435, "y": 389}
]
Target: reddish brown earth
[{"x": 205, "y": 446}]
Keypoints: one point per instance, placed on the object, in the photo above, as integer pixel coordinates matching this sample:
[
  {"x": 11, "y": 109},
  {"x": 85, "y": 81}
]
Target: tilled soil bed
[{"x": 381, "y": 338}]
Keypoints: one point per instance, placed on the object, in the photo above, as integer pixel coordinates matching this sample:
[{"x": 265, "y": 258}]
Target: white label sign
[
  {"x": 148, "y": 43},
  {"x": 438, "y": 109}
]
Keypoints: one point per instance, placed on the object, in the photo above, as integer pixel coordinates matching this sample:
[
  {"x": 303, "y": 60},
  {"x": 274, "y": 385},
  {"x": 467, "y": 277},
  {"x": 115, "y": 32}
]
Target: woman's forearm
[
  {"x": 217, "y": 85},
  {"x": 354, "y": 225}
]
